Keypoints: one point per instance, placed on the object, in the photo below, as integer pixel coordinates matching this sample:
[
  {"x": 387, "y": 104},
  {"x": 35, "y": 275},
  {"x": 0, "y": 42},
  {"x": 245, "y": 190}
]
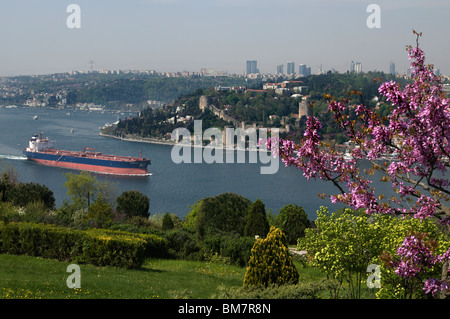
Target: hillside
[{"x": 267, "y": 105}]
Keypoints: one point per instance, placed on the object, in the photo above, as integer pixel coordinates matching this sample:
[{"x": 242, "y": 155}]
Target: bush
[
  {"x": 223, "y": 213},
  {"x": 24, "y": 193},
  {"x": 133, "y": 203},
  {"x": 182, "y": 244},
  {"x": 292, "y": 220},
  {"x": 308, "y": 290},
  {"x": 257, "y": 223},
  {"x": 270, "y": 262},
  {"x": 237, "y": 249},
  {"x": 167, "y": 222},
  {"x": 98, "y": 247}
]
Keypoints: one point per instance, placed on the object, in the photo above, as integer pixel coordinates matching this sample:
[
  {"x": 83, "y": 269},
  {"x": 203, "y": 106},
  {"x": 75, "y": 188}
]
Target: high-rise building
[
  {"x": 252, "y": 67},
  {"x": 280, "y": 69},
  {"x": 352, "y": 67},
  {"x": 308, "y": 70},
  {"x": 302, "y": 69},
  {"x": 290, "y": 67},
  {"x": 358, "y": 67},
  {"x": 392, "y": 68}
]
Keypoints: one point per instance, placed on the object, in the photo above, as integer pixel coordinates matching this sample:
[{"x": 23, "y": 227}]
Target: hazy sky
[{"x": 178, "y": 35}]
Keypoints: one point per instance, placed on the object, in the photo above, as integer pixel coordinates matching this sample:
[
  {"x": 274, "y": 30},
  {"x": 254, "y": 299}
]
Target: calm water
[{"x": 171, "y": 187}]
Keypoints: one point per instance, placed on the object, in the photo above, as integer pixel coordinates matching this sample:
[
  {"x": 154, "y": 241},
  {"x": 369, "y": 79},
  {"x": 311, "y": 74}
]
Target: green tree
[
  {"x": 344, "y": 244},
  {"x": 167, "y": 222},
  {"x": 84, "y": 188},
  {"x": 99, "y": 214},
  {"x": 270, "y": 262},
  {"x": 133, "y": 203},
  {"x": 293, "y": 221},
  {"x": 257, "y": 223},
  {"x": 25, "y": 193},
  {"x": 8, "y": 181},
  {"x": 222, "y": 213}
]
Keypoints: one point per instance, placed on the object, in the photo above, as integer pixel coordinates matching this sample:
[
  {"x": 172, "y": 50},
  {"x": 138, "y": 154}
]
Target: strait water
[{"x": 171, "y": 187}]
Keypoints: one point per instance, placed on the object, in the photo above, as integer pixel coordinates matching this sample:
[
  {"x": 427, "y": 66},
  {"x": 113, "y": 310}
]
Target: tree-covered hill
[{"x": 266, "y": 108}]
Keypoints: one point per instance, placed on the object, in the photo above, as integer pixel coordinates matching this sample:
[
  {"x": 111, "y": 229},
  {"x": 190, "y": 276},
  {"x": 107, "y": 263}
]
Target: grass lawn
[{"x": 31, "y": 277}]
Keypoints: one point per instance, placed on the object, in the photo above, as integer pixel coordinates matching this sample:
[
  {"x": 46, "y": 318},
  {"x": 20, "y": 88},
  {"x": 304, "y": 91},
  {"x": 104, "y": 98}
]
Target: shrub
[
  {"x": 182, "y": 244},
  {"x": 292, "y": 220},
  {"x": 133, "y": 203},
  {"x": 24, "y": 193},
  {"x": 270, "y": 262},
  {"x": 307, "y": 290},
  {"x": 257, "y": 223},
  {"x": 223, "y": 213},
  {"x": 167, "y": 222},
  {"x": 98, "y": 247},
  {"x": 234, "y": 247}
]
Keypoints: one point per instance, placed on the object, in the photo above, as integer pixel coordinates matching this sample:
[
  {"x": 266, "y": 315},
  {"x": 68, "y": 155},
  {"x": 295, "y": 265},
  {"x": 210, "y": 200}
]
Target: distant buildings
[
  {"x": 355, "y": 67},
  {"x": 251, "y": 67},
  {"x": 392, "y": 68},
  {"x": 290, "y": 68},
  {"x": 280, "y": 69}
]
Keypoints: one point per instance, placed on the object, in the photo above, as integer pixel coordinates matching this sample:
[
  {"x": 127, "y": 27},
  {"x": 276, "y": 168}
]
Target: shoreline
[
  {"x": 139, "y": 139},
  {"x": 160, "y": 142}
]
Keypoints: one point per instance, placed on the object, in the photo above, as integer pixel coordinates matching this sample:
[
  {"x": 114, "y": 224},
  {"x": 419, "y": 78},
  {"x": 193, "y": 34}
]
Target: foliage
[
  {"x": 84, "y": 188},
  {"x": 222, "y": 213},
  {"x": 65, "y": 244},
  {"x": 234, "y": 247},
  {"x": 270, "y": 262},
  {"x": 413, "y": 251},
  {"x": 292, "y": 220},
  {"x": 182, "y": 244},
  {"x": 99, "y": 214},
  {"x": 8, "y": 181},
  {"x": 415, "y": 137},
  {"x": 133, "y": 203},
  {"x": 343, "y": 245},
  {"x": 257, "y": 223},
  {"x": 167, "y": 222},
  {"x": 24, "y": 193},
  {"x": 304, "y": 290}
]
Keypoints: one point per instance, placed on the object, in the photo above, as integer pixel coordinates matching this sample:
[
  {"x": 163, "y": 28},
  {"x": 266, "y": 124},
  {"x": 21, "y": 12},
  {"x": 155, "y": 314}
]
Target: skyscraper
[
  {"x": 392, "y": 68},
  {"x": 252, "y": 67},
  {"x": 352, "y": 67},
  {"x": 290, "y": 67},
  {"x": 302, "y": 69},
  {"x": 280, "y": 69},
  {"x": 358, "y": 67}
]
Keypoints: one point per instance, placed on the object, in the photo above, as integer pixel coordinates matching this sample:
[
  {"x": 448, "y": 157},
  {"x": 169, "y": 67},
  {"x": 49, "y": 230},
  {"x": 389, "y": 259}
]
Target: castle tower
[
  {"x": 203, "y": 102},
  {"x": 304, "y": 107}
]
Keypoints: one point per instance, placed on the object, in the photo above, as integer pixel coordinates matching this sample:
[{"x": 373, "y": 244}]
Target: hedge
[{"x": 98, "y": 247}]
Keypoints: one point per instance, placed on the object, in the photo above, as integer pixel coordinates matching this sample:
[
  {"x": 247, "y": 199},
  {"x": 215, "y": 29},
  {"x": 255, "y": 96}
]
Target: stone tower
[
  {"x": 203, "y": 102},
  {"x": 304, "y": 107}
]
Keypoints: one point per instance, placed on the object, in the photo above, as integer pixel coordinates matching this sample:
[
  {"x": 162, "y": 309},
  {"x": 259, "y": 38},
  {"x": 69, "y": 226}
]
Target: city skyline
[{"x": 221, "y": 35}]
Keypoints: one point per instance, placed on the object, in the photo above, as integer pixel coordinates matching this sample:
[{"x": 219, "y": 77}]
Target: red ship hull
[{"x": 94, "y": 168}]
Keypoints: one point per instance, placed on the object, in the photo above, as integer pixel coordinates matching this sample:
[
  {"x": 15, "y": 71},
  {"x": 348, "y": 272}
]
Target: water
[{"x": 171, "y": 187}]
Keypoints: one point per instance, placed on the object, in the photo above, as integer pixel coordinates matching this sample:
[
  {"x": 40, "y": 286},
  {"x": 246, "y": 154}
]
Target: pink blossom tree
[{"x": 414, "y": 138}]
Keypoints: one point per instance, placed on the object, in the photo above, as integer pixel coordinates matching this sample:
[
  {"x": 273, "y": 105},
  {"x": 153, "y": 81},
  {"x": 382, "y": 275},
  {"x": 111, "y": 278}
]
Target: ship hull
[{"x": 71, "y": 160}]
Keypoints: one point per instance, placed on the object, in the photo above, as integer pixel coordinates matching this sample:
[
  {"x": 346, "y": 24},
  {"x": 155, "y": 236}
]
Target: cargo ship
[{"x": 42, "y": 151}]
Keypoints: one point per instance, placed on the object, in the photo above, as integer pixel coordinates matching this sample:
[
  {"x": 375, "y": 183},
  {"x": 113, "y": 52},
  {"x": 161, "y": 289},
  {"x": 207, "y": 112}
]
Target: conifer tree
[
  {"x": 270, "y": 262},
  {"x": 257, "y": 223}
]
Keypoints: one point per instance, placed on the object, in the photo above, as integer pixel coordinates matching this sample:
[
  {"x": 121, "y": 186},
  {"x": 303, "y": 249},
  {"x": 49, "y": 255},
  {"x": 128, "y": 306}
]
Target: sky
[{"x": 188, "y": 35}]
